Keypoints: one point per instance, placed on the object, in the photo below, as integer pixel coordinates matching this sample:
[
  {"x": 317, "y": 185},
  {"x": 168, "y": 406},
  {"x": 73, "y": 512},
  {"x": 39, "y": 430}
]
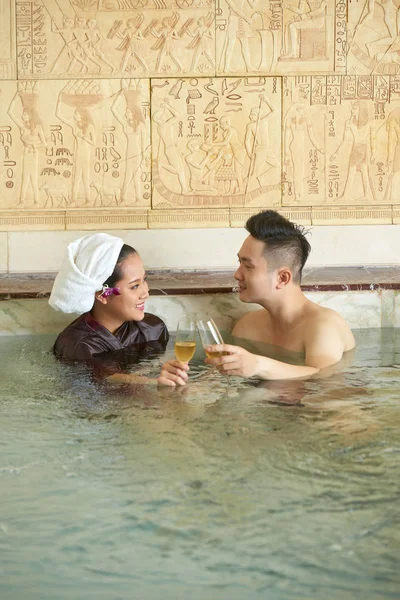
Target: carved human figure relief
[
  {"x": 239, "y": 31},
  {"x": 295, "y": 36},
  {"x": 309, "y": 17},
  {"x": 127, "y": 109},
  {"x": 166, "y": 118},
  {"x": 358, "y": 134},
  {"x": 114, "y": 38},
  {"x": 84, "y": 144},
  {"x": 132, "y": 44},
  {"x": 299, "y": 135},
  {"x": 202, "y": 42},
  {"x": 392, "y": 191},
  {"x": 69, "y": 56},
  {"x": 27, "y": 119},
  {"x": 214, "y": 143},
  {"x": 257, "y": 143},
  {"x": 340, "y": 140},
  {"x": 373, "y": 37},
  {"x": 75, "y": 110}
]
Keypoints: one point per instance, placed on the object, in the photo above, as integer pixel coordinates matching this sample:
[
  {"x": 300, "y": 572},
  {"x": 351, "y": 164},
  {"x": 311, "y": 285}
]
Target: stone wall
[{"x": 160, "y": 114}]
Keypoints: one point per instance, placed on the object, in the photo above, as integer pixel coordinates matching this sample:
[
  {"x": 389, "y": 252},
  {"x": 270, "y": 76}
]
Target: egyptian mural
[{"x": 197, "y": 113}]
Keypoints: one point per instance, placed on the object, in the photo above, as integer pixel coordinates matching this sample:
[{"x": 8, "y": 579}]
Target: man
[{"x": 271, "y": 261}]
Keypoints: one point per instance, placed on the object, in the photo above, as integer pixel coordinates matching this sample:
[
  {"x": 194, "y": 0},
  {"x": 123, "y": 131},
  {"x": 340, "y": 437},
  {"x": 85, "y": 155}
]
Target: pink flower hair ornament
[{"x": 107, "y": 291}]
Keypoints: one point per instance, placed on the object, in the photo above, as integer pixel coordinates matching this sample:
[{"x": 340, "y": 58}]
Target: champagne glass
[
  {"x": 185, "y": 341},
  {"x": 210, "y": 335}
]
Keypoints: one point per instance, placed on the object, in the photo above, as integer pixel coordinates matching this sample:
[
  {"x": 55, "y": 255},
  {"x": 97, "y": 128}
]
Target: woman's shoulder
[
  {"x": 150, "y": 328},
  {"x": 78, "y": 341}
]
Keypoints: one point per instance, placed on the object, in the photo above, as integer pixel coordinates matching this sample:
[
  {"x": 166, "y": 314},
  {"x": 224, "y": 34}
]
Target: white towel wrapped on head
[{"x": 88, "y": 263}]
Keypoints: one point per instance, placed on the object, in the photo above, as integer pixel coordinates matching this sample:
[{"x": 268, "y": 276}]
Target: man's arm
[
  {"x": 324, "y": 347},
  {"x": 241, "y": 363}
]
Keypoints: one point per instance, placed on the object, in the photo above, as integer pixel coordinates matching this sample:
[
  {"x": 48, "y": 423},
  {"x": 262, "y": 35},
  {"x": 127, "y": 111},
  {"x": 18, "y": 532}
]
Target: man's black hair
[{"x": 285, "y": 242}]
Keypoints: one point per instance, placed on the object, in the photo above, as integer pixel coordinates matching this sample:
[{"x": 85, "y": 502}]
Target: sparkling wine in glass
[
  {"x": 210, "y": 335},
  {"x": 185, "y": 341}
]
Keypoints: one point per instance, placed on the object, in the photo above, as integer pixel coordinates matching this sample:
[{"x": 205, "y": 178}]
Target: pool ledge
[
  {"x": 366, "y": 297},
  {"x": 15, "y": 286}
]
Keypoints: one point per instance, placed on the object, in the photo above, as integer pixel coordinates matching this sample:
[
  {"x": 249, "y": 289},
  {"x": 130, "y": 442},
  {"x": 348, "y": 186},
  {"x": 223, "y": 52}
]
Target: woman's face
[{"x": 129, "y": 306}]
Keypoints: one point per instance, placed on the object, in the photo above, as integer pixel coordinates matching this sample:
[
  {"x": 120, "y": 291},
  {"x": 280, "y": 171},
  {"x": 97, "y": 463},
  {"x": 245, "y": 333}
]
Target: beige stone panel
[
  {"x": 352, "y": 216},
  {"x": 297, "y": 215},
  {"x": 292, "y": 37},
  {"x": 216, "y": 142},
  {"x": 8, "y": 62},
  {"x": 180, "y": 219},
  {"x": 372, "y": 34},
  {"x": 396, "y": 215},
  {"x": 201, "y": 248},
  {"x": 3, "y": 252},
  {"x": 106, "y": 219},
  {"x": 73, "y": 144},
  {"x": 341, "y": 140},
  {"x": 115, "y": 38},
  {"x": 25, "y": 220},
  {"x": 43, "y": 251}
]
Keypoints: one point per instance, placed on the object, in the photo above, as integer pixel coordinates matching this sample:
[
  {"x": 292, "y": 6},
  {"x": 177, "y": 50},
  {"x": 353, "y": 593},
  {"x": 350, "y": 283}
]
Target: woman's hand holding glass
[{"x": 174, "y": 372}]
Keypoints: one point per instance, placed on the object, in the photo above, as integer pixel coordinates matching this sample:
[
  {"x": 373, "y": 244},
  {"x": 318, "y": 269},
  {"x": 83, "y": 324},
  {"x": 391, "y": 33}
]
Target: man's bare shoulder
[
  {"x": 250, "y": 320},
  {"x": 322, "y": 318}
]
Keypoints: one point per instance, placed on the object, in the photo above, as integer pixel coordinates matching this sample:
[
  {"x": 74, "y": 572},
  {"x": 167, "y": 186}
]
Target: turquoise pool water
[{"x": 281, "y": 491}]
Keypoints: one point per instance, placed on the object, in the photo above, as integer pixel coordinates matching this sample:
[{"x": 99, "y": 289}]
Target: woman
[{"x": 104, "y": 279}]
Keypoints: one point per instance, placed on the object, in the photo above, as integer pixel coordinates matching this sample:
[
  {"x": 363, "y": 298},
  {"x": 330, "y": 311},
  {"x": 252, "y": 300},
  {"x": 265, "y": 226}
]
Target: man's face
[{"x": 254, "y": 279}]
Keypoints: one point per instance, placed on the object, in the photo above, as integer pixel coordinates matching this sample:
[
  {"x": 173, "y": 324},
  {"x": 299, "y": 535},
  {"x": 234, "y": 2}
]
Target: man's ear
[{"x": 284, "y": 277}]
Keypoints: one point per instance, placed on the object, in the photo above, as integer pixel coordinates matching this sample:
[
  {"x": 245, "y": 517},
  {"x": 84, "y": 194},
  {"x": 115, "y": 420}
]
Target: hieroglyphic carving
[
  {"x": 216, "y": 142},
  {"x": 341, "y": 140},
  {"x": 373, "y": 37},
  {"x": 7, "y": 40},
  {"x": 75, "y": 144},
  {"x": 129, "y": 38},
  {"x": 275, "y": 37},
  {"x": 80, "y": 147}
]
